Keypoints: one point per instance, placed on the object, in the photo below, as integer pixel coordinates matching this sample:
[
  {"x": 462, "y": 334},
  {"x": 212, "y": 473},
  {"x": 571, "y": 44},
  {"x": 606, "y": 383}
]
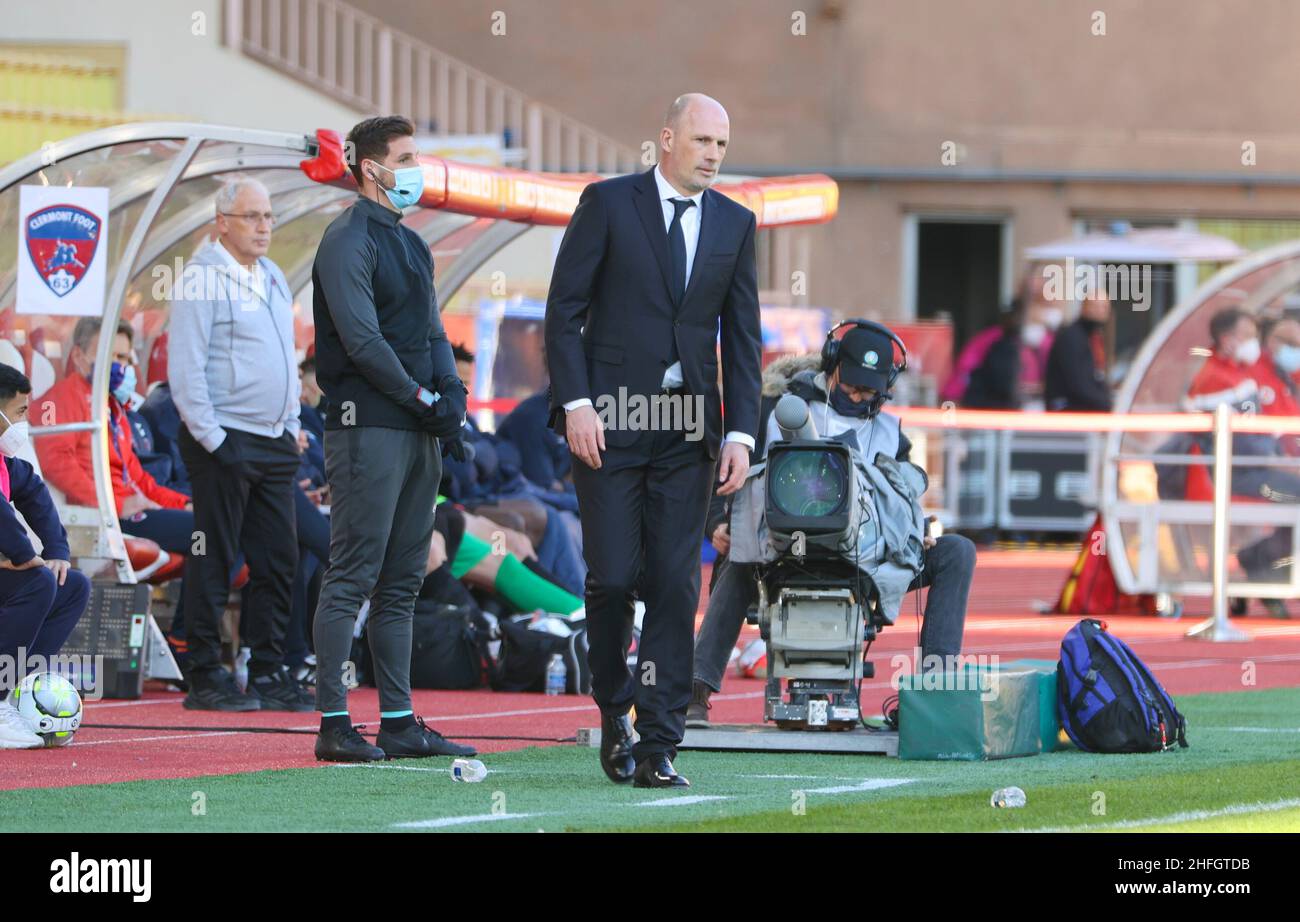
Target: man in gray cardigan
[{"x": 234, "y": 378}]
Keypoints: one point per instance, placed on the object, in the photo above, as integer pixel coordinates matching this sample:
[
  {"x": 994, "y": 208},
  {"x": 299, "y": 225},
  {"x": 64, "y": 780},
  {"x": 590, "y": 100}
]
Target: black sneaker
[
  {"x": 215, "y": 690},
  {"x": 419, "y": 741},
  {"x": 345, "y": 744},
  {"x": 279, "y": 691}
]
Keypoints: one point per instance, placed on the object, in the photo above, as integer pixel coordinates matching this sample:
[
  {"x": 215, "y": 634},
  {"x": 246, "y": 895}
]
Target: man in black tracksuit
[
  {"x": 1076, "y": 366},
  {"x": 384, "y": 362}
]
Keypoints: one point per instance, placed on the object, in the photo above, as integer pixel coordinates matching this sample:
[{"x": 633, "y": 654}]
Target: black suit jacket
[{"x": 612, "y": 322}]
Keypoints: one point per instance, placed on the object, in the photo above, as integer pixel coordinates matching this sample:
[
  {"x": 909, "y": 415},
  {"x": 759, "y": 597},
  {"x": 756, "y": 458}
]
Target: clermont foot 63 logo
[{"x": 61, "y": 241}]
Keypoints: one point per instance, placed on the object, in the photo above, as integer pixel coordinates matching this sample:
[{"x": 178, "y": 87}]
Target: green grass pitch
[{"x": 1242, "y": 772}]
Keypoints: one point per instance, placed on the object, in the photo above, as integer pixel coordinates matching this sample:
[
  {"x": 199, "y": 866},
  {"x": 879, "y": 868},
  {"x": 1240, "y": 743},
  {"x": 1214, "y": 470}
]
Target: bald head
[{"x": 693, "y": 142}]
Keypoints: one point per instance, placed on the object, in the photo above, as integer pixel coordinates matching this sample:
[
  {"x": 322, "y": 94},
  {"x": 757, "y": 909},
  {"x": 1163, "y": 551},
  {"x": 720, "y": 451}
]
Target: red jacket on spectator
[
  {"x": 1274, "y": 397},
  {"x": 65, "y": 458}
]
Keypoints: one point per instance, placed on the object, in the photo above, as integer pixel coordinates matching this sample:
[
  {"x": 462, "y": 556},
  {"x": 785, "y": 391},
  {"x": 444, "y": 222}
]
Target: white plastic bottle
[
  {"x": 557, "y": 676},
  {"x": 468, "y": 770}
]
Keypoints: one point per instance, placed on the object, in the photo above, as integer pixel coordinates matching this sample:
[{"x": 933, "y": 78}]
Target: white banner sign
[{"x": 62, "y": 250}]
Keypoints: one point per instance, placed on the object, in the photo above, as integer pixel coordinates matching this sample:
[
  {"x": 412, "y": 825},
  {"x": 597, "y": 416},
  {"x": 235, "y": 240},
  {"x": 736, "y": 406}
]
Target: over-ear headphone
[{"x": 831, "y": 355}]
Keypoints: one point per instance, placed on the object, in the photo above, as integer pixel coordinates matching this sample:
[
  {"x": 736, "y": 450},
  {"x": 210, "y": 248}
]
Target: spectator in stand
[
  {"x": 1011, "y": 372},
  {"x": 159, "y": 411},
  {"x": 491, "y": 485},
  {"x": 546, "y": 460},
  {"x": 66, "y": 458},
  {"x": 311, "y": 413},
  {"x": 1076, "y": 366},
  {"x": 146, "y": 508},
  {"x": 1240, "y": 375},
  {"x": 1037, "y": 320},
  {"x": 1280, "y": 344}
]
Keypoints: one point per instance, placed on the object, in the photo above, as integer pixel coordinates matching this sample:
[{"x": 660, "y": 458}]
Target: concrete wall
[
  {"x": 1172, "y": 86},
  {"x": 176, "y": 65}
]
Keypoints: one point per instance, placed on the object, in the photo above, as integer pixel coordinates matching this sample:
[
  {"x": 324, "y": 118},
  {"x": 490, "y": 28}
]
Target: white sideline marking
[
  {"x": 399, "y": 768},
  {"x": 418, "y": 768},
  {"x": 1253, "y": 729},
  {"x": 802, "y": 777},
  {"x": 1186, "y": 817},
  {"x": 681, "y": 801},
  {"x": 870, "y": 784},
  {"x": 445, "y": 821}
]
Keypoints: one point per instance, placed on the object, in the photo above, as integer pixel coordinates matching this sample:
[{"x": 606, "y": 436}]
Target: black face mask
[{"x": 844, "y": 405}]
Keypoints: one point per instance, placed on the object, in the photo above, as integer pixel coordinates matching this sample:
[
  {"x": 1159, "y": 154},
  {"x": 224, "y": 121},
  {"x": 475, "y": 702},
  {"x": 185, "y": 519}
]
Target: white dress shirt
[
  {"x": 251, "y": 279},
  {"x": 690, "y": 222}
]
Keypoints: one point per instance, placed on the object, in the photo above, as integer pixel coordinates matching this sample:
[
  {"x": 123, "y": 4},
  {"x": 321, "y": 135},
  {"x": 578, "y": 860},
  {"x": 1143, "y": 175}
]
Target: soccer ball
[{"x": 50, "y": 705}]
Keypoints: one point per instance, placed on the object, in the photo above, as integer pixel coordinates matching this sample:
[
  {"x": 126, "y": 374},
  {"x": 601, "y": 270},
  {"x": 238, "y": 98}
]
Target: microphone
[{"x": 793, "y": 418}]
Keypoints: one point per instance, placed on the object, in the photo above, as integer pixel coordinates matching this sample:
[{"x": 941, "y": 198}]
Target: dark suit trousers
[
  {"x": 643, "y": 512},
  {"x": 247, "y": 505}
]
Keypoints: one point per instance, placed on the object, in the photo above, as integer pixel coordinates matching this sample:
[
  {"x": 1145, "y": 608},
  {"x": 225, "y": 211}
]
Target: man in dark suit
[{"x": 650, "y": 266}]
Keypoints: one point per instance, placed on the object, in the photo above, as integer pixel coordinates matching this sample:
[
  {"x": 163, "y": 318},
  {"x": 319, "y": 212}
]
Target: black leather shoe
[
  {"x": 616, "y": 748},
  {"x": 345, "y": 744},
  {"x": 419, "y": 741},
  {"x": 658, "y": 772},
  {"x": 215, "y": 690},
  {"x": 280, "y": 691}
]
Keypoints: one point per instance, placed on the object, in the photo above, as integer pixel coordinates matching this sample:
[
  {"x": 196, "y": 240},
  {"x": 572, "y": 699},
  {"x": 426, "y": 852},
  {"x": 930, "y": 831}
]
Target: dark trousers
[
  {"x": 37, "y": 614},
  {"x": 383, "y": 487},
  {"x": 1267, "y": 559},
  {"x": 246, "y": 505},
  {"x": 644, "y": 509},
  {"x": 949, "y": 568},
  {"x": 173, "y": 531}
]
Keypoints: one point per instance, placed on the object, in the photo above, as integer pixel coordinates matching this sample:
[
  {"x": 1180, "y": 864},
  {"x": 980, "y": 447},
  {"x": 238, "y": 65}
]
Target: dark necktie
[{"x": 677, "y": 246}]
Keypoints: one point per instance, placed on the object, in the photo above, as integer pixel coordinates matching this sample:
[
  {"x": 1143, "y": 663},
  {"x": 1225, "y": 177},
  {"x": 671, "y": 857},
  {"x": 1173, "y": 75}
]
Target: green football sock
[{"x": 527, "y": 591}]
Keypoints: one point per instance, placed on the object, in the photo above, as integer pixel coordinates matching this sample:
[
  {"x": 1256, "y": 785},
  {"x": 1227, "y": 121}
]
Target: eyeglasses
[{"x": 254, "y": 217}]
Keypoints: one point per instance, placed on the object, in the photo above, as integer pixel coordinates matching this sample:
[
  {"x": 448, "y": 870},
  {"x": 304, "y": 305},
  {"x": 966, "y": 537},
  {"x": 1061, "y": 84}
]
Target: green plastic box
[
  {"x": 1049, "y": 720},
  {"x": 970, "y": 715}
]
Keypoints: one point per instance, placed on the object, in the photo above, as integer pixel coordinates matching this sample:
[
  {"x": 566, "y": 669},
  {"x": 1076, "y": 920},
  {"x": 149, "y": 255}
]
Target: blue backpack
[{"x": 1107, "y": 698}]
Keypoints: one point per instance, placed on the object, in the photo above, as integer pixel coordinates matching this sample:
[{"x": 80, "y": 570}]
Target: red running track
[{"x": 1003, "y": 622}]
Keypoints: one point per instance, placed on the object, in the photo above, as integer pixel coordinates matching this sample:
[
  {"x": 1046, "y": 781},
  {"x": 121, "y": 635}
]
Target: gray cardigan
[{"x": 230, "y": 356}]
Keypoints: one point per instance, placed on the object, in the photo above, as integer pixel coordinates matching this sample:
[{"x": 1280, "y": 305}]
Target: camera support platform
[{"x": 768, "y": 738}]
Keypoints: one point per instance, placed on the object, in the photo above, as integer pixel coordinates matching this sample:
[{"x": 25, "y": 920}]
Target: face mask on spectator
[
  {"x": 844, "y": 405},
  {"x": 1247, "y": 353},
  {"x": 1052, "y": 317},
  {"x": 1033, "y": 334},
  {"x": 121, "y": 381},
  {"x": 13, "y": 439},
  {"x": 1287, "y": 358}
]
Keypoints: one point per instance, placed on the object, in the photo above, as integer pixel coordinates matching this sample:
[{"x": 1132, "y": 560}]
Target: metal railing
[
  {"x": 360, "y": 61},
  {"x": 1218, "y": 514}
]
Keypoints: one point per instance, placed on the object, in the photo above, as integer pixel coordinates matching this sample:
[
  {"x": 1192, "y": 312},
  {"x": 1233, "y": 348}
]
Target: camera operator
[{"x": 844, "y": 395}]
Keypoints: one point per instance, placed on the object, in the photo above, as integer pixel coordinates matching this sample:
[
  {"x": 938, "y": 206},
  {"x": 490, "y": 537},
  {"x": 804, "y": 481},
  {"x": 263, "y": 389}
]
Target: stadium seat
[{"x": 150, "y": 562}]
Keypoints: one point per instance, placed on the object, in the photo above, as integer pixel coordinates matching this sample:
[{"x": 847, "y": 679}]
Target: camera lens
[{"x": 811, "y": 482}]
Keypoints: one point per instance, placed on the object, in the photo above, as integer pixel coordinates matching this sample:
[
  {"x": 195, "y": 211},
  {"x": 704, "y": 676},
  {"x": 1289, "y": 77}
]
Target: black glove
[
  {"x": 458, "y": 448},
  {"x": 447, "y": 415}
]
